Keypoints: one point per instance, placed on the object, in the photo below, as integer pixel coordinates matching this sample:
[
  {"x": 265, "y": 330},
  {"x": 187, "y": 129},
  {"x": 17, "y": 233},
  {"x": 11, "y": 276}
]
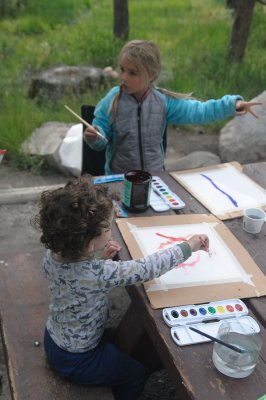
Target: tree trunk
[
  {"x": 121, "y": 19},
  {"x": 240, "y": 30},
  {"x": 231, "y": 4}
]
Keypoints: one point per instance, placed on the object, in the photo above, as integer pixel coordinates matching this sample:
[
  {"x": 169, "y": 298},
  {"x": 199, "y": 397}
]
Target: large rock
[
  {"x": 53, "y": 83},
  {"x": 196, "y": 159},
  {"x": 46, "y": 141},
  {"x": 243, "y": 139}
]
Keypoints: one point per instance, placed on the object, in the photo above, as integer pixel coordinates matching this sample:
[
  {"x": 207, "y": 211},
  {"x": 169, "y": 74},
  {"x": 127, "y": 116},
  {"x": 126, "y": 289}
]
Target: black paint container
[{"x": 137, "y": 189}]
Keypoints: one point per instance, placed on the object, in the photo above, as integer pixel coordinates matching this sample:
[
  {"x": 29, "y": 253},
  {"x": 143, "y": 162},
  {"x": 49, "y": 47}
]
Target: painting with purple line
[
  {"x": 223, "y": 189},
  {"x": 233, "y": 201}
]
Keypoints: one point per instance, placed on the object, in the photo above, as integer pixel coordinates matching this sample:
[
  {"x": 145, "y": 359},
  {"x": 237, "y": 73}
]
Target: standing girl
[
  {"x": 134, "y": 115},
  {"x": 75, "y": 222}
]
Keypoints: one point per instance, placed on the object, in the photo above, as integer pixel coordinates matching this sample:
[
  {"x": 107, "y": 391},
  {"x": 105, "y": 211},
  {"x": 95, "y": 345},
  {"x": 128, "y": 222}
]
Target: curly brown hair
[{"x": 71, "y": 216}]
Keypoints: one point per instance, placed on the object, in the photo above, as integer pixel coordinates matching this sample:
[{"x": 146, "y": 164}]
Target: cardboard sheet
[
  {"x": 229, "y": 272},
  {"x": 223, "y": 189}
]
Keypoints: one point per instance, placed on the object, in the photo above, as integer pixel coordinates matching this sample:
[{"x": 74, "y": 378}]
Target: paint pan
[
  {"x": 191, "y": 314},
  {"x": 169, "y": 197}
]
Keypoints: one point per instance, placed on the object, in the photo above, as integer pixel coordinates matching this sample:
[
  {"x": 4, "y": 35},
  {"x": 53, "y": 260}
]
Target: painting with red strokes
[
  {"x": 174, "y": 240},
  {"x": 199, "y": 269},
  {"x": 227, "y": 271}
]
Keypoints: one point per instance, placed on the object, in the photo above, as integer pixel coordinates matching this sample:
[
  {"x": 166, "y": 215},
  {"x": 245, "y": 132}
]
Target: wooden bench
[{"x": 24, "y": 298}]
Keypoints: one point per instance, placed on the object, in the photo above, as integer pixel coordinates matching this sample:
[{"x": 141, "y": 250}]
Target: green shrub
[
  {"x": 9, "y": 8},
  {"x": 37, "y": 165},
  {"x": 30, "y": 25}
]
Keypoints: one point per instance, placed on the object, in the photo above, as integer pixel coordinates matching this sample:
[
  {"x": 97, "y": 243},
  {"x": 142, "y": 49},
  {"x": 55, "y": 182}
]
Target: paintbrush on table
[
  {"x": 214, "y": 339},
  {"x": 85, "y": 123}
]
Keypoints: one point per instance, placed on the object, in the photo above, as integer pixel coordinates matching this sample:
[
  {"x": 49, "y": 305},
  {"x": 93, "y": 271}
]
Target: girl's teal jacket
[{"x": 135, "y": 134}]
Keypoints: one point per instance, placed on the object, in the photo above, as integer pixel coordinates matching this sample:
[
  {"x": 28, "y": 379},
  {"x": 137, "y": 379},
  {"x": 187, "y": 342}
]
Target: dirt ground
[{"x": 17, "y": 234}]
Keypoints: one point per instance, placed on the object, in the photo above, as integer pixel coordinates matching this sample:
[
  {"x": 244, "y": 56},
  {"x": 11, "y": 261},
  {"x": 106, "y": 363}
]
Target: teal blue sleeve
[
  {"x": 183, "y": 111},
  {"x": 102, "y": 119}
]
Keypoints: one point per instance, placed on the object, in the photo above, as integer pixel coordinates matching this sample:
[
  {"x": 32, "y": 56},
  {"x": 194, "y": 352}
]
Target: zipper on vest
[{"x": 139, "y": 136}]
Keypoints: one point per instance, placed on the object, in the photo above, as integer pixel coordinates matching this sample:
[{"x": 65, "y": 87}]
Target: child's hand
[
  {"x": 110, "y": 250},
  {"x": 91, "y": 135},
  {"x": 243, "y": 107},
  {"x": 199, "y": 242}
]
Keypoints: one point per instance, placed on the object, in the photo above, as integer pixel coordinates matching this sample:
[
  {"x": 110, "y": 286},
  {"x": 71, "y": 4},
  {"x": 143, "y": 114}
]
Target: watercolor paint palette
[
  {"x": 183, "y": 336},
  {"x": 169, "y": 197},
  {"x": 157, "y": 203},
  {"x": 191, "y": 314}
]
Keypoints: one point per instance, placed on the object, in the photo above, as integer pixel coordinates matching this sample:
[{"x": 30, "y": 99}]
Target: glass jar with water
[{"x": 232, "y": 363}]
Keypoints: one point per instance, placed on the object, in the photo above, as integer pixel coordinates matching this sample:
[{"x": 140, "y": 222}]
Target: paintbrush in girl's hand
[
  {"x": 85, "y": 123},
  {"x": 214, "y": 339}
]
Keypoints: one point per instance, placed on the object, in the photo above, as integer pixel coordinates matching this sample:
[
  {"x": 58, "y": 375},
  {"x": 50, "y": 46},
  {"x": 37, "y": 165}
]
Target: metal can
[{"x": 137, "y": 189}]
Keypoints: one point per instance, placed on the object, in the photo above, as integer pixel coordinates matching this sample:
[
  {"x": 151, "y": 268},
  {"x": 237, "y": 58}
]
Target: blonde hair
[{"x": 145, "y": 55}]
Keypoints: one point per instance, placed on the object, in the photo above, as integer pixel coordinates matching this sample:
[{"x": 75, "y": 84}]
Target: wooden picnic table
[
  {"x": 24, "y": 299},
  {"x": 143, "y": 333}
]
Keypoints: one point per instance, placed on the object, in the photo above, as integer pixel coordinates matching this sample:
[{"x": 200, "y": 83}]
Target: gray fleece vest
[{"x": 138, "y": 135}]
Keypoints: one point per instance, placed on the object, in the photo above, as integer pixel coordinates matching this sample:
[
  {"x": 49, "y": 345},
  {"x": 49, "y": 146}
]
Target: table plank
[{"x": 257, "y": 171}]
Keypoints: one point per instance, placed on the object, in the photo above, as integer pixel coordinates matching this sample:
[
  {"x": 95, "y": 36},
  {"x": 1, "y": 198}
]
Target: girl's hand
[
  {"x": 243, "y": 107},
  {"x": 199, "y": 242},
  {"x": 111, "y": 249},
  {"x": 91, "y": 135}
]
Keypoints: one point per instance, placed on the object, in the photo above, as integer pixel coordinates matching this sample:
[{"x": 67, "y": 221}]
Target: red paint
[
  {"x": 239, "y": 307},
  {"x": 173, "y": 240},
  {"x": 184, "y": 313},
  {"x": 191, "y": 263},
  {"x": 230, "y": 308}
]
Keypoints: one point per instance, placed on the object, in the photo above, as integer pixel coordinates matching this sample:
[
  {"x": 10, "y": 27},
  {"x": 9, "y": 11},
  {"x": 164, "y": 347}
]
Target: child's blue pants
[{"x": 104, "y": 366}]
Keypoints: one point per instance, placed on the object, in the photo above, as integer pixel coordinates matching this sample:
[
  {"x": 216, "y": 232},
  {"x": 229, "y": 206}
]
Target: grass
[{"x": 193, "y": 37}]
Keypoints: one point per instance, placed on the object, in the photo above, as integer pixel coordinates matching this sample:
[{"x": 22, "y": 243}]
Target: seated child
[{"x": 75, "y": 223}]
